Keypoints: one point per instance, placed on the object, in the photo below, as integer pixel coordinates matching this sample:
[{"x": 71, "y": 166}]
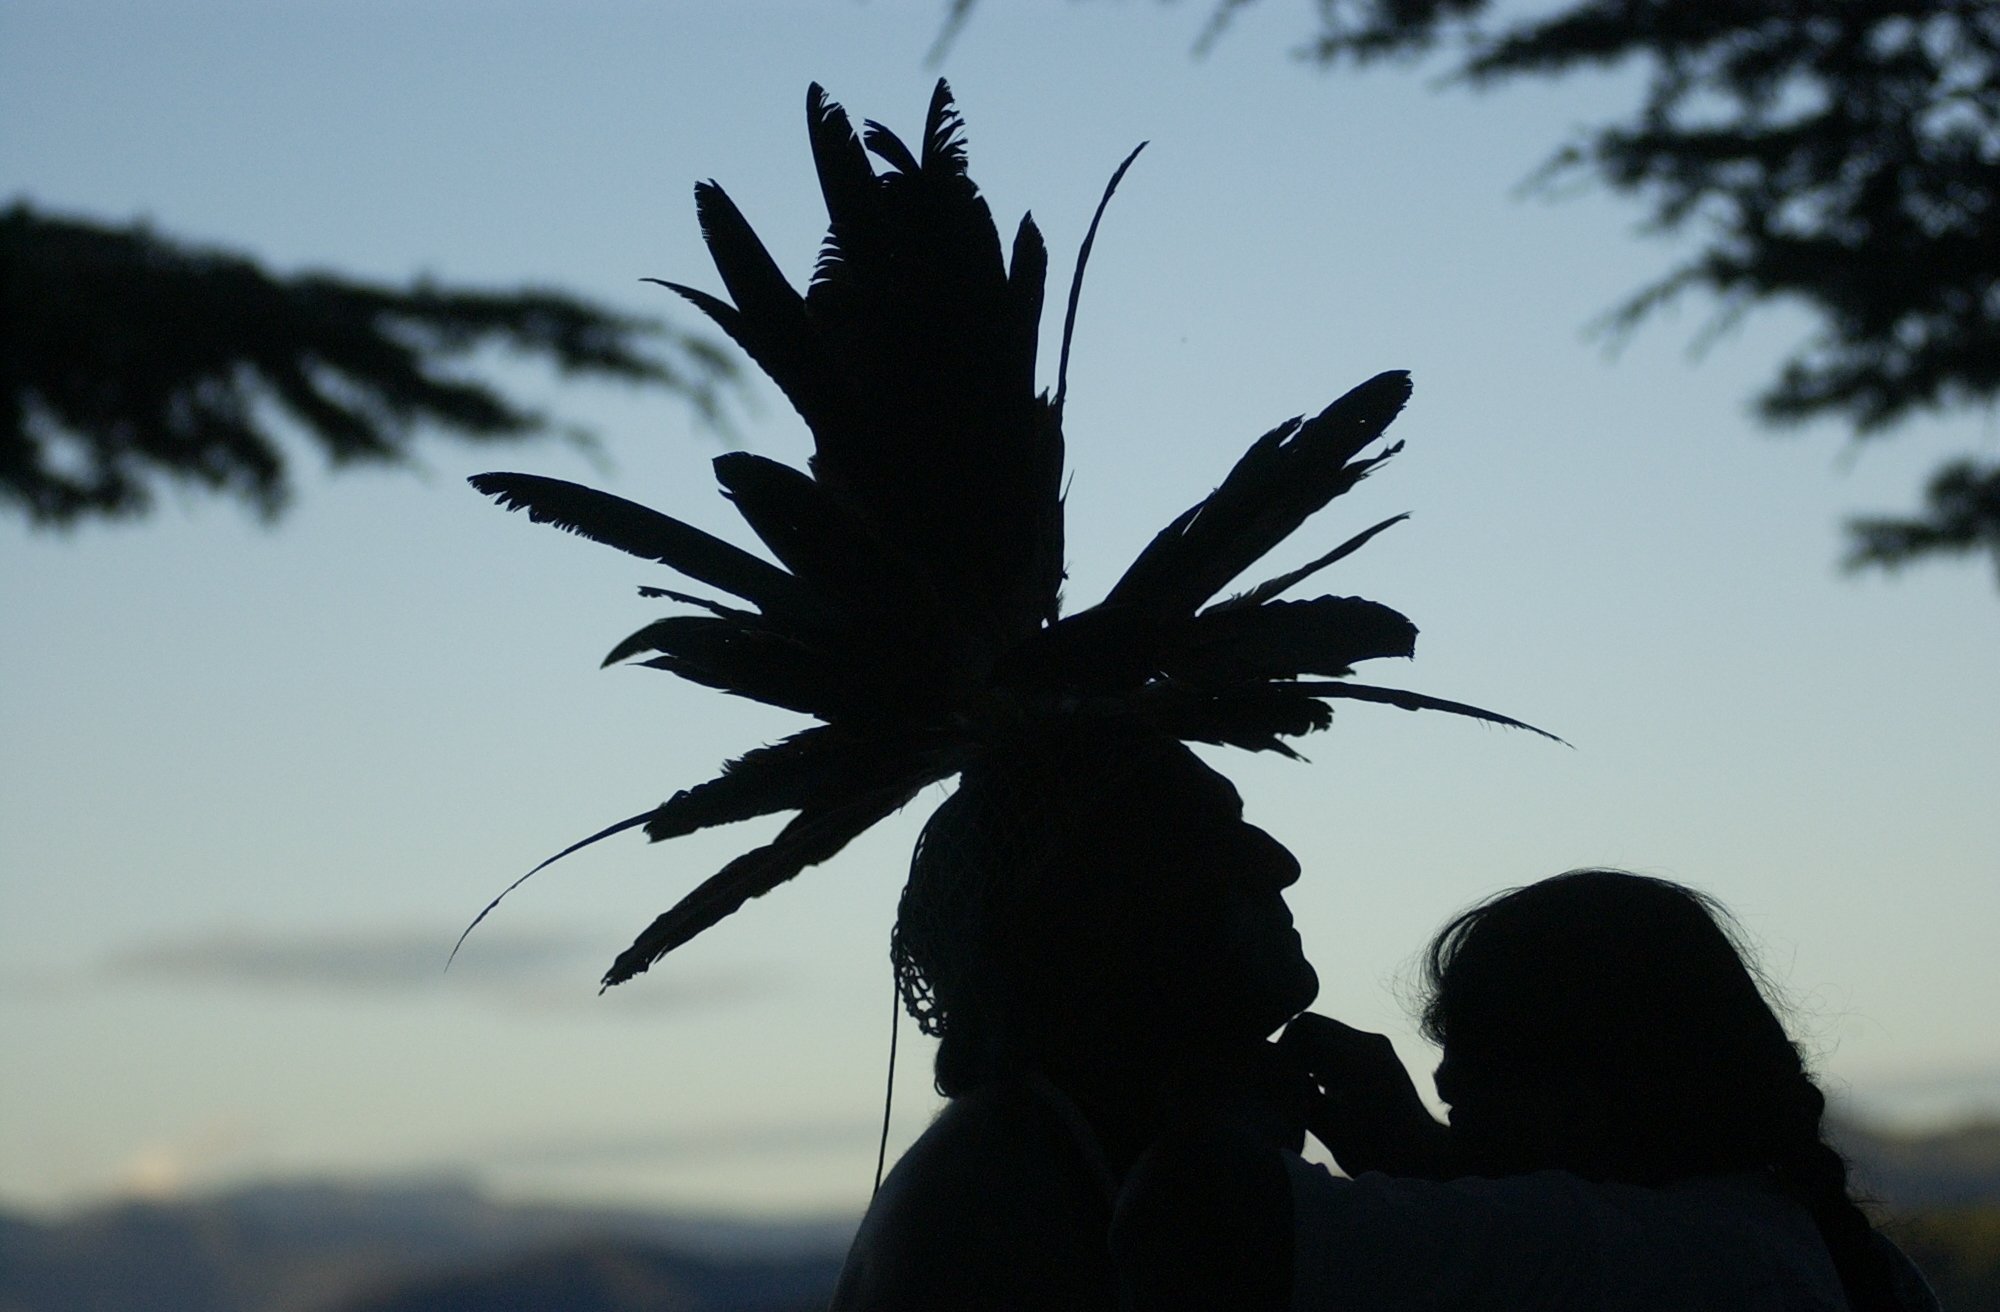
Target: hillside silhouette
[
  {"x": 336, "y": 1247},
  {"x": 443, "y": 1247}
]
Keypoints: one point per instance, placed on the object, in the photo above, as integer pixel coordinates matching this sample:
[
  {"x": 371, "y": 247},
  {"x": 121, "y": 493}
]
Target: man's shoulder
[
  {"x": 1010, "y": 1126},
  {"x": 999, "y": 1156},
  {"x": 990, "y": 1206}
]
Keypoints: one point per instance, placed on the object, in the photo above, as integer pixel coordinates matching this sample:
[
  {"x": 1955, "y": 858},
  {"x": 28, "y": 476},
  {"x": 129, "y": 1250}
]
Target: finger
[{"x": 1323, "y": 1039}]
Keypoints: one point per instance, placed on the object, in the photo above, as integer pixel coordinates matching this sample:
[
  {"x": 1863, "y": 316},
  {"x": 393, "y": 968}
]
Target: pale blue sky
[{"x": 255, "y": 780}]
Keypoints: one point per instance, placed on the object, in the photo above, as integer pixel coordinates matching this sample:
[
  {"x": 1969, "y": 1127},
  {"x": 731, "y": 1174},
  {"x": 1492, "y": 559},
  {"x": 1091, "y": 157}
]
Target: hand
[{"x": 1364, "y": 1108}]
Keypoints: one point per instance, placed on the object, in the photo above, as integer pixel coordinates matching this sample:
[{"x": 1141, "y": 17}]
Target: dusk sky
[{"x": 254, "y": 780}]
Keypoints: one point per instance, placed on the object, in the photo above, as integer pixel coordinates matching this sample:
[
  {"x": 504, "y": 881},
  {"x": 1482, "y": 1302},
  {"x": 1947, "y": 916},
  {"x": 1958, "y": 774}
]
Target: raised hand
[{"x": 1364, "y": 1107}]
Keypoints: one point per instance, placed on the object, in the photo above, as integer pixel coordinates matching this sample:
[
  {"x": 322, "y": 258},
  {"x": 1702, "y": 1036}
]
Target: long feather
[
  {"x": 712, "y": 607},
  {"x": 944, "y": 133},
  {"x": 882, "y": 597},
  {"x": 848, "y": 185},
  {"x": 1076, "y": 278},
  {"x": 1274, "y": 587},
  {"x": 1038, "y": 516},
  {"x": 783, "y": 776},
  {"x": 1287, "y": 475},
  {"x": 788, "y": 775},
  {"x": 1027, "y": 274},
  {"x": 670, "y": 633},
  {"x": 773, "y": 323},
  {"x": 647, "y": 534},
  {"x": 722, "y": 314},
  {"x": 945, "y": 216},
  {"x": 889, "y": 147},
  {"x": 1255, "y": 717},
  {"x": 1284, "y": 639},
  {"x": 762, "y": 666},
  {"x": 1416, "y": 701},
  {"x": 756, "y": 284},
  {"x": 813, "y": 836},
  {"x": 949, "y": 455},
  {"x": 641, "y": 640},
  {"x": 629, "y": 822}
]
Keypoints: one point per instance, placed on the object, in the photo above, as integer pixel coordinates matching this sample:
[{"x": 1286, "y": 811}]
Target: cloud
[
  {"x": 398, "y": 959},
  {"x": 527, "y": 969},
  {"x": 708, "y": 1144},
  {"x": 1923, "y": 1095},
  {"x": 1956, "y": 1078}
]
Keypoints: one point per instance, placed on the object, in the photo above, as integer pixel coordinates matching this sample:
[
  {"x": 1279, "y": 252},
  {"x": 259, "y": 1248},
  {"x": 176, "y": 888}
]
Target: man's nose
[{"x": 1269, "y": 862}]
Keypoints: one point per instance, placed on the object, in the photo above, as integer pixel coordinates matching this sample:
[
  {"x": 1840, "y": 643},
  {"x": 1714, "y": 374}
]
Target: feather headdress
[{"x": 913, "y": 603}]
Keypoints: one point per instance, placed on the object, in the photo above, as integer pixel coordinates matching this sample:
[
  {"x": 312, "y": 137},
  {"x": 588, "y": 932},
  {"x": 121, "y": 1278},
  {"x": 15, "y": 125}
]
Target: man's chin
[{"x": 1302, "y": 988}]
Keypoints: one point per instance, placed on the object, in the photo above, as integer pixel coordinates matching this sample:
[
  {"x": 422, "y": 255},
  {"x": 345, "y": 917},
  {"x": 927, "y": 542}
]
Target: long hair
[
  {"x": 961, "y": 922},
  {"x": 1634, "y": 996},
  {"x": 1009, "y": 931}
]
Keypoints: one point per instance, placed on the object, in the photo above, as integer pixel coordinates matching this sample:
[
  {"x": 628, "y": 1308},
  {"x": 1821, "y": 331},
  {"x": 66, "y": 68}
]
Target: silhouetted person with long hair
[{"x": 1631, "y": 1127}]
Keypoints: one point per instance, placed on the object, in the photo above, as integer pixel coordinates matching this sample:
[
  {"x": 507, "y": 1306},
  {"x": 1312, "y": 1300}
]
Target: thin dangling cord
[{"x": 889, "y": 1092}]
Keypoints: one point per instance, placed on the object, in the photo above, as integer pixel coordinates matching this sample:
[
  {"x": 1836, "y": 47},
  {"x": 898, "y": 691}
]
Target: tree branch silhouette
[
  {"x": 134, "y": 361},
  {"x": 1843, "y": 156}
]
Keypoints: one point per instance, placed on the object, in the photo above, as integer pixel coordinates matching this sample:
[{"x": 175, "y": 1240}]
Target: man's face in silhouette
[{"x": 1200, "y": 919}]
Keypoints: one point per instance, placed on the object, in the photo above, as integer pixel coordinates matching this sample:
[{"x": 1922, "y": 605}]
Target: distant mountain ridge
[
  {"x": 1954, "y": 1167},
  {"x": 612, "y": 1277},
  {"x": 318, "y": 1246}
]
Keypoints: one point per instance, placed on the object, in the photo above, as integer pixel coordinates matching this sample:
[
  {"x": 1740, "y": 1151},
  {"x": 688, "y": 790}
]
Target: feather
[
  {"x": 722, "y": 314},
  {"x": 663, "y": 635},
  {"x": 916, "y": 372},
  {"x": 772, "y": 324},
  {"x": 781, "y": 777},
  {"x": 641, "y": 641},
  {"x": 830, "y": 549},
  {"x": 805, "y": 527},
  {"x": 813, "y": 835},
  {"x": 944, "y": 133},
  {"x": 647, "y": 534},
  {"x": 712, "y": 607},
  {"x": 755, "y": 283},
  {"x": 1287, "y": 475},
  {"x": 1027, "y": 272},
  {"x": 1284, "y": 639},
  {"x": 808, "y": 377},
  {"x": 1416, "y": 701},
  {"x": 848, "y": 185},
  {"x": 761, "y": 665},
  {"x": 789, "y": 775},
  {"x": 939, "y": 213},
  {"x": 1270, "y": 588},
  {"x": 1076, "y": 278},
  {"x": 1037, "y": 449},
  {"x": 629, "y": 822},
  {"x": 889, "y": 147},
  {"x": 1254, "y": 717}
]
